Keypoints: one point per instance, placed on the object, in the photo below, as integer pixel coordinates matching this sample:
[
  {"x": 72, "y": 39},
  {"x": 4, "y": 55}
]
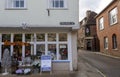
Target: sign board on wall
[{"x": 46, "y": 63}]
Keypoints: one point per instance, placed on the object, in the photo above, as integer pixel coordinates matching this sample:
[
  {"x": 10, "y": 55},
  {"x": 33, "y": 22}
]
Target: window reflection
[
  {"x": 6, "y": 37},
  {"x": 41, "y": 37},
  {"x": 63, "y": 52},
  {"x": 62, "y": 37},
  {"x": 52, "y": 51},
  {"x": 51, "y": 36}
]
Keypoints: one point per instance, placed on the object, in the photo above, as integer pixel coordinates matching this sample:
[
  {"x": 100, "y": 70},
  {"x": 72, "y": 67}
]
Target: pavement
[{"x": 84, "y": 70}]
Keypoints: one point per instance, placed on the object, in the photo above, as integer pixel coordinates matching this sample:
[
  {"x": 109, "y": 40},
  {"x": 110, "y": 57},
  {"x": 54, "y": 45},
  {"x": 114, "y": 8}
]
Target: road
[{"x": 108, "y": 66}]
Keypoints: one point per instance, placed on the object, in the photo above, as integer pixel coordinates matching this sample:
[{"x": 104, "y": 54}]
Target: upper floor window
[
  {"x": 114, "y": 41},
  {"x": 16, "y": 4},
  {"x": 113, "y": 16},
  {"x": 57, "y": 3},
  {"x": 101, "y": 23}
]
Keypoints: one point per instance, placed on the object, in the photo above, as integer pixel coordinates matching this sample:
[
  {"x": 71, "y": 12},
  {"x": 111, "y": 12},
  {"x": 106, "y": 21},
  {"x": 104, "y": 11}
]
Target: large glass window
[
  {"x": 17, "y": 49},
  {"x": 6, "y": 37},
  {"x": 63, "y": 52},
  {"x": 51, "y": 36},
  {"x": 41, "y": 37},
  {"x": 20, "y": 46},
  {"x": 101, "y": 23},
  {"x": 114, "y": 41},
  {"x": 40, "y": 49},
  {"x": 17, "y": 37},
  {"x": 113, "y": 16},
  {"x": 29, "y": 38},
  {"x": 62, "y": 37},
  {"x": 29, "y": 50},
  {"x": 52, "y": 51}
]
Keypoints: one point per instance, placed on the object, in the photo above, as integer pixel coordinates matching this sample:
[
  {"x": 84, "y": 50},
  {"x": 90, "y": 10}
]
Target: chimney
[{"x": 88, "y": 13}]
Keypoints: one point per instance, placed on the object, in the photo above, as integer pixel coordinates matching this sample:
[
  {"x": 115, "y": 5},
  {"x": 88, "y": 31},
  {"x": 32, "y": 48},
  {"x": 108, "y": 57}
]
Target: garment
[{"x": 6, "y": 60}]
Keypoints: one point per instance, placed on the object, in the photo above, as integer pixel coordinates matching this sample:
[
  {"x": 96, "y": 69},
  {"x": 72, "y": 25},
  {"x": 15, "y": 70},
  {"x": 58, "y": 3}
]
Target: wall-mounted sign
[{"x": 67, "y": 23}]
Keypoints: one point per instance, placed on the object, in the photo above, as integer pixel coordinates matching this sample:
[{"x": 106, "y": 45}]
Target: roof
[{"x": 106, "y": 7}]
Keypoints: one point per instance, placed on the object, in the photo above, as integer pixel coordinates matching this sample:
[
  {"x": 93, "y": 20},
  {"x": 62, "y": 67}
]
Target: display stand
[{"x": 46, "y": 64}]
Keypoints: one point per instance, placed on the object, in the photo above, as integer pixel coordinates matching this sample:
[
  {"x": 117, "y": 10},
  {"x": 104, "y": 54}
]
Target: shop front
[{"x": 22, "y": 44}]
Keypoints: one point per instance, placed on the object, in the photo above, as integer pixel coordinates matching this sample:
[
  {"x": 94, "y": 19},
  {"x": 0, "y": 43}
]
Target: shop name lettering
[
  {"x": 16, "y": 43},
  {"x": 67, "y": 23}
]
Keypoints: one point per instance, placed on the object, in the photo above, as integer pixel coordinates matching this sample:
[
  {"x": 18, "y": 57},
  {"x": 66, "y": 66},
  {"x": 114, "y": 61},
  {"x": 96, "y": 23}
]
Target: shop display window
[
  {"x": 6, "y": 37},
  {"x": 37, "y": 44},
  {"x": 62, "y": 37},
  {"x": 51, "y": 36},
  {"x": 41, "y": 37},
  {"x": 29, "y": 37},
  {"x": 52, "y": 51},
  {"x": 40, "y": 49},
  {"x": 63, "y": 52}
]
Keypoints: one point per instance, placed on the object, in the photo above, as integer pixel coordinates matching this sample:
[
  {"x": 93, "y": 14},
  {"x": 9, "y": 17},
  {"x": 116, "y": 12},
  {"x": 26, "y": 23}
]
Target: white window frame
[
  {"x": 113, "y": 16},
  {"x": 101, "y": 23},
  {"x": 10, "y": 4},
  {"x": 50, "y": 4}
]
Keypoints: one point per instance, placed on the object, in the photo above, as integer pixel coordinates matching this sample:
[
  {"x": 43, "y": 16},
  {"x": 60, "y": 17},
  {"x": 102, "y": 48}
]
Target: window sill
[
  {"x": 106, "y": 49},
  {"x": 57, "y": 8},
  {"x": 60, "y": 61},
  {"x": 113, "y": 24},
  {"x": 101, "y": 29},
  {"x": 115, "y": 49},
  {"x": 16, "y": 9}
]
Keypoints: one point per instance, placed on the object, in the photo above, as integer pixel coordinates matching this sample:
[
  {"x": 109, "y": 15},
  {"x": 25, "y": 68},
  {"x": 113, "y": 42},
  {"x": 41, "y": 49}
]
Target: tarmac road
[{"x": 108, "y": 66}]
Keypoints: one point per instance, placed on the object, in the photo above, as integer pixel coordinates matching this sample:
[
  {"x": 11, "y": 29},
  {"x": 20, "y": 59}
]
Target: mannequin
[{"x": 6, "y": 61}]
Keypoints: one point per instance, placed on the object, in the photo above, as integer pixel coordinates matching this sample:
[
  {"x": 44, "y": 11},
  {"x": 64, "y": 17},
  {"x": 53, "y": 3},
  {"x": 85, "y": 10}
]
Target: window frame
[
  {"x": 105, "y": 42},
  {"x": 10, "y": 4},
  {"x": 50, "y": 4},
  {"x": 101, "y": 23},
  {"x": 114, "y": 41},
  {"x": 113, "y": 15}
]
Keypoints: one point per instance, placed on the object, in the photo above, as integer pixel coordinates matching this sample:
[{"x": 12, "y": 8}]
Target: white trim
[
  {"x": 101, "y": 23},
  {"x": 23, "y": 46},
  {"x": 57, "y": 46},
  {"x": 70, "y": 51},
  {"x": 0, "y": 46},
  {"x": 46, "y": 44},
  {"x": 12, "y": 38},
  {"x": 34, "y": 43}
]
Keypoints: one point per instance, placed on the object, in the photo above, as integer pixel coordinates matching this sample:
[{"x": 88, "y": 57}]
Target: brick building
[
  {"x": 108, "y": 28},
  {"x": 87, "y": 35}
]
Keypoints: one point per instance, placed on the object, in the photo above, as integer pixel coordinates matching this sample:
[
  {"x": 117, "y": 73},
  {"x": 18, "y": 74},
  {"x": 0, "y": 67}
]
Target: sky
[{"x": 93, "y": 5}]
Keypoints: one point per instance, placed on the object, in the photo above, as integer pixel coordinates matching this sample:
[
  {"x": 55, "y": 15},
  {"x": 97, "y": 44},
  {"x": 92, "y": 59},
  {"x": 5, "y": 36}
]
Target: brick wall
[{"x": 109, "y": 30}]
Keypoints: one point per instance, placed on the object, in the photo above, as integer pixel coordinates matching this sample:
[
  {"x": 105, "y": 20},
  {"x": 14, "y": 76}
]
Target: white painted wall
[{"x": 36, "y": 14}]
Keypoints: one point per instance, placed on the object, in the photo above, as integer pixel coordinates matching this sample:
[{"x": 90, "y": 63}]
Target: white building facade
[{"x": 38, "y": 27}]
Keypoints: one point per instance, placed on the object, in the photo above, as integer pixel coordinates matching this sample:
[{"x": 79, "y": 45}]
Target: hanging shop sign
[
  {"x": 16, "y": 43},
  {"x": 45, "y": 63}
]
